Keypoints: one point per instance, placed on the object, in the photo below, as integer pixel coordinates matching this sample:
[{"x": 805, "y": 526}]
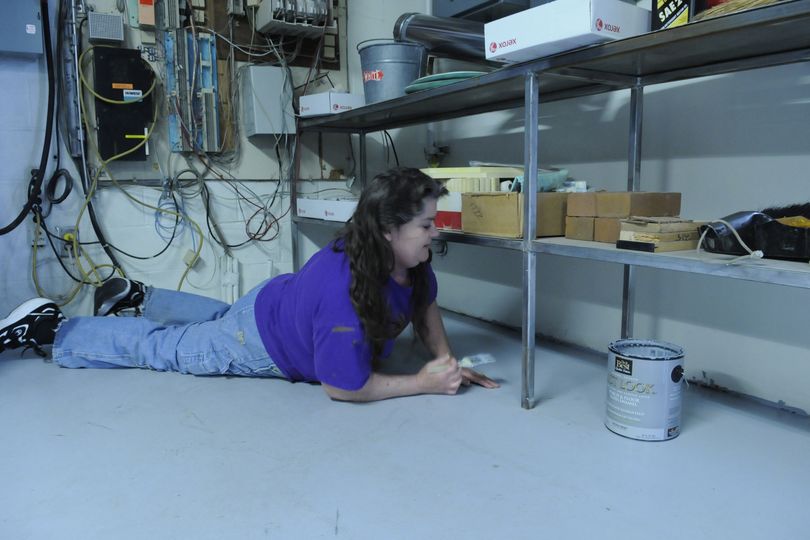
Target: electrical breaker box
[
  {"x": 121, "y": 75},
  {"x": 21, "y": 29},
  {"x": 266, "y": 101}
]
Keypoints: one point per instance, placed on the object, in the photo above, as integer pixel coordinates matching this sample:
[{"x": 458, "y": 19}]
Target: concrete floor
[{"x": 133, "y": 454}]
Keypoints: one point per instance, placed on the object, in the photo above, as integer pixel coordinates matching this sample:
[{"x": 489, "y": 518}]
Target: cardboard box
[
  {"x": 501, "y": 214},
  {"x": 606, "y": 229},
  {"x": 622, "y": 204},
  {"x": 326, "y": 209},
  {"x": 329, "y": 103},
  {"x": 460, "y": 180},
  {"x": 579, "y": 228},
  {"x": 448, "y": 212},
  {"x": 562, "y": 25},
  {"x": 658, "y": 224},
  {"x": 582, "y": 204}
]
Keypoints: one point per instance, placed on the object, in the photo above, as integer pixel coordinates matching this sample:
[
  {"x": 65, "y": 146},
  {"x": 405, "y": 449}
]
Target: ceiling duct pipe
[{"x": 443, "y": 36}]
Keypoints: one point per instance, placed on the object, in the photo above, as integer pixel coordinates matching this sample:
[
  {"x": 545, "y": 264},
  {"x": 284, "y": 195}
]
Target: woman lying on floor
[{"x": 330, "y": 322}]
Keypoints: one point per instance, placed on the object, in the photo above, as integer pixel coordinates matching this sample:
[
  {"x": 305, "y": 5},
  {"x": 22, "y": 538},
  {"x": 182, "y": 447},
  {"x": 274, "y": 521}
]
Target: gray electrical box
[
  {"x": 21, "y": 29},
  {"x": 266, "y": 101}
]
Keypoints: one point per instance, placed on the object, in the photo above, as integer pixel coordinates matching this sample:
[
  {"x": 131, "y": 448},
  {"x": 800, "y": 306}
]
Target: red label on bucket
[{"x": 374, "y": 75}]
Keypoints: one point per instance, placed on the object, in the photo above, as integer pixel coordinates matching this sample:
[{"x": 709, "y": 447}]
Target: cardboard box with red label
[
  {"x": 329, "y": 103},
  {"x": 562, "y": 25},
  {"x": 326, "y": 209}
]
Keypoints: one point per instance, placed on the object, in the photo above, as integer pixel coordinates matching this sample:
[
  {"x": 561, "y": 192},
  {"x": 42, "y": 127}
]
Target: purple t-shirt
[{"x": 310, "y": 329}]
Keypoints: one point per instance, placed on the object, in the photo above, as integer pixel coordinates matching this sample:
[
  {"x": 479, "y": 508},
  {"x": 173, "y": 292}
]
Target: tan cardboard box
[
  {"x": 622, "y": 204},
  {"x": 501, "y": 214},
  {"x": 579, "y": 227},
  {"x": 582, "y": 204},
  {"x": 606, "y": 229}
]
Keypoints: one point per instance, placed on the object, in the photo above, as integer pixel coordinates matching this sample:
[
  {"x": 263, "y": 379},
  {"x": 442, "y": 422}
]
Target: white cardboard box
[
  {"x": 562, "y": 25},
  {"x": 329, "y": 103},
  {"x": 328, "y": 209}
]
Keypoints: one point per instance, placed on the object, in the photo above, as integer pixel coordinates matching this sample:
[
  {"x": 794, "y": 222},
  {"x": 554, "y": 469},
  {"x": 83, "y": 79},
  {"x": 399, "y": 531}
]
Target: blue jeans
[{"x": 178, "y": 332}]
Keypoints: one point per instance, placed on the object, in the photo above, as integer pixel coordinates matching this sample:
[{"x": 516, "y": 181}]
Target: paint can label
[{"x": 644, "y": 394}]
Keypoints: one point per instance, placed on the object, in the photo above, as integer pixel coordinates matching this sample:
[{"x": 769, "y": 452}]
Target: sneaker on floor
[
  {"x": 118, "y": 294},
  {"x": 33, "y": 324}
]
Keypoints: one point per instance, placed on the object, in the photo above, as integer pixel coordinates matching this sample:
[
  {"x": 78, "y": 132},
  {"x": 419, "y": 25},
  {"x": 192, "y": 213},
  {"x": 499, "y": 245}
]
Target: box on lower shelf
[{"x": 326, "y": 209}]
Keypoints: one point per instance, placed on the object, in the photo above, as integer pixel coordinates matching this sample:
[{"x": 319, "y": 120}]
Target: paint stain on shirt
[{"x": 342, "y": 329}]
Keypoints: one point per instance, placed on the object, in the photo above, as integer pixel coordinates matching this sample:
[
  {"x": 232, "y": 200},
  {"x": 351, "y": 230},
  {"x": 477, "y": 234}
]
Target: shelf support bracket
[
  {"x": 633, "y": 184},
  {"x": 362, "y": 157},
  {"x": 531, "y": 160}
]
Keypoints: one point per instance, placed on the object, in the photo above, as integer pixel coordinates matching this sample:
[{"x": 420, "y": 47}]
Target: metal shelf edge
[{"x": 786, "y": 273}]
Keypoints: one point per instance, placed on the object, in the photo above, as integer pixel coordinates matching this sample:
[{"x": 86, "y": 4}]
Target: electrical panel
[
  {"x": 308, "y": 18},
  {"x": 122, "y": 76},
  {"x": 21, "y": 29},
  {"x": 192, "y": 90},
  {"x": 266, "y": 101}
]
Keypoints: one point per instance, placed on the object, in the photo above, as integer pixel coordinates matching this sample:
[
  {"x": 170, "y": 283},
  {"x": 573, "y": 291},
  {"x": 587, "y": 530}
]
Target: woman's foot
[
  {"x": 118, "y": 294},
  {"x": 32, "y": 324}
]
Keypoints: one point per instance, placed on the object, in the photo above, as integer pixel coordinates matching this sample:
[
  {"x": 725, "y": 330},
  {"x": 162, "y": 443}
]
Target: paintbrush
[{"x": 471, "y": 361}]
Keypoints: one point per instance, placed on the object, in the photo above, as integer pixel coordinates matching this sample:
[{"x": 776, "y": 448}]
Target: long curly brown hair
[{"x": 392, "y": 199}]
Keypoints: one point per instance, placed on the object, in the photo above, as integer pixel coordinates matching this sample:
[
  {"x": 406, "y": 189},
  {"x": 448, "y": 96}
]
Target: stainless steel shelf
[
  {"x": 788, "y": 273},
  {"x": 320, "y": 222},
  {"x": 774, "y": 272},
  {"x": 477, "y": 240},
  {"x": 768, "y": 36},
  {"x": 456, "y": 237}
]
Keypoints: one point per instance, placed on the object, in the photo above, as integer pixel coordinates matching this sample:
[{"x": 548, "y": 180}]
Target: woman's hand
[
  {"x": 469, "y": 376},
  {"x": 440, "y": 376}
]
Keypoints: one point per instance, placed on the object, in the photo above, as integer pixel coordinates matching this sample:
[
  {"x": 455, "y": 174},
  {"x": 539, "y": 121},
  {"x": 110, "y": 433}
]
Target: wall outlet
[
  {"x": 40, "y": 242},
  {"x": 67, "y": 234}
]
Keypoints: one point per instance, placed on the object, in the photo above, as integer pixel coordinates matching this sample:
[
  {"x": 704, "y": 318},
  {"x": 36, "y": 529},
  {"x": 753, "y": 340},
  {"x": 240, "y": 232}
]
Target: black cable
[
  {"x": 351, "y": 155},
  {"x": 35, "y": 188},
  {"x": 50, "y": 190},
  {"x": 394, "y": 148}
]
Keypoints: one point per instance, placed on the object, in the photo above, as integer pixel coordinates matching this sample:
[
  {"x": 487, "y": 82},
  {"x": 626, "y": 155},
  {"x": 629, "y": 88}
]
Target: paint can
[{"x": 644, "y": 390}]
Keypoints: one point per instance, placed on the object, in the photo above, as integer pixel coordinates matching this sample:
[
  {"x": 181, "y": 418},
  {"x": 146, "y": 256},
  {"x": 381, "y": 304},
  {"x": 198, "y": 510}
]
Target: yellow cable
[{"x": 105, "y": 99}]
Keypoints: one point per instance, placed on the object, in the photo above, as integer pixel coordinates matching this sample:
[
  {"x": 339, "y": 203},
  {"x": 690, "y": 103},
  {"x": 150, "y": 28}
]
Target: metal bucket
[
  {"x": 388, "y": 67},
  {"x": 644, "y": 390}
]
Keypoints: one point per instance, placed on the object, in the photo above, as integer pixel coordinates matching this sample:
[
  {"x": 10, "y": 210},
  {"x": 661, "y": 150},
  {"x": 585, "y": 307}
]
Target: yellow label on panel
[
  {"x": 683, "y": 18},
  {"x": 122, "y": 86}
]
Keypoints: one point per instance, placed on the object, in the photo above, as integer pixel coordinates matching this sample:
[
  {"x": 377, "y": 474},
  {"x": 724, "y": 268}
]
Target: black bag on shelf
[{"x": 760, "y": 231}]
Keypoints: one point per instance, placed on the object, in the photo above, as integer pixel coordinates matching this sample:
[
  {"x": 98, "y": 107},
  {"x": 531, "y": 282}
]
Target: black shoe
[
  {"x": 33, "y": 324},
  {"x": 117, "y": 294}
]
